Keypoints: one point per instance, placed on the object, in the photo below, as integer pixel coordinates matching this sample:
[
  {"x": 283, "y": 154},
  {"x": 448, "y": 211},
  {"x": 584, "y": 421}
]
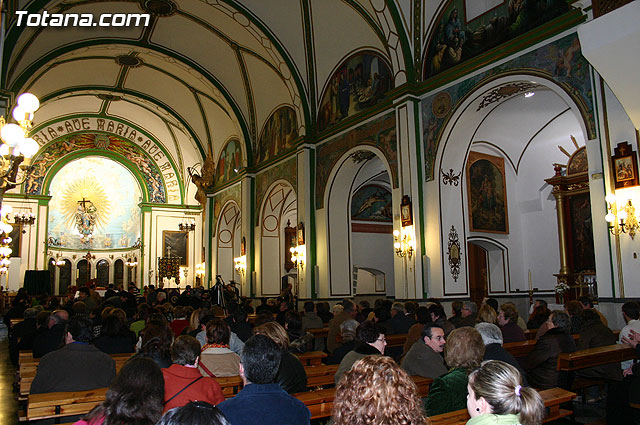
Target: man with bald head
[{"x": 52, "y": 338}]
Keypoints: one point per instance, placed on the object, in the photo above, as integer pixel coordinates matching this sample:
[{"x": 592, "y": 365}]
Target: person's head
[
  {"x": 260, "y": 360},
  {"x": 156, "y": 338},
  {"x": 574, "y": 308},
  {"x": 79, "y": 308},
  {"x": 631, "y": 311},
  {"x": 456, "y": 308},
  {"x": 382, "y": 314},
  {"x": 507, "y": 314},
  {"x": 83, "y": 293},
  {"x": 490, "y": 333},
  {"x": 486, "y": 314},
  {"x": 135, "y": 396},
  {"x": 493, "y": 303},
  {"x": 349, "y": 306},
  {"x": 185, "y": 350},
  {"x": 348, "y": 330},
  {"x": 293, "y": 321},
  {"x": 590, "y": 317},
  {"x": 433, "y": 337},
  {"x": 30, "y": 313},
  {"x": 586, "y": 301},
  {"x": 541, "y": 303},
  {"x": 464, "y": 348},
  {"x": 496, "y": 387},
  {"x": 397, "y": 308},
  {"x": 422, "y": 315},
  {"x": 309, "y": 306},
  {"x": 559, "y": 319},
  {"x": 58, "y": 317},
  {"x": 468, "y": 308},
  {"x": 337, "y": 308},
  {"x": 194, "y": 413},
  {"x": 436, "y": 311},
  {"x": 275, "y": 332},
  {"x": 372, "y": 334},
  {"x": 79, "y": 329},
  {"x": 112, "y": 326},
  {"x": 218, "y": 332},
  {"x": 377, "y": 391}
]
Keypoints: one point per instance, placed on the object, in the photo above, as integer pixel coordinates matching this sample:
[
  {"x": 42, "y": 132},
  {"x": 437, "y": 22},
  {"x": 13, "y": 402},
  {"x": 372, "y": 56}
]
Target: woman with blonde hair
[
  {"x": 377, "y": 391},
  {"x": 487, "y": 314},
  {"x": 291, "y": 375},
  {"x": 496, "y": 396}
]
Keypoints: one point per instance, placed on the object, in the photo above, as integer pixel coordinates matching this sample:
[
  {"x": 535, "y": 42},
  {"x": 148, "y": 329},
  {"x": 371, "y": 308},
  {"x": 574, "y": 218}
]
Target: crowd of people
[{"x": 181, "y": 343}]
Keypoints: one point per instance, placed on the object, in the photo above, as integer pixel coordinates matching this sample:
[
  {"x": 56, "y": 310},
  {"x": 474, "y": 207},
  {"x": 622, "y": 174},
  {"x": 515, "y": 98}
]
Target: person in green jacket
[
  {"x": 462, "y": 353},
  {"x": 497, "y": 397}
]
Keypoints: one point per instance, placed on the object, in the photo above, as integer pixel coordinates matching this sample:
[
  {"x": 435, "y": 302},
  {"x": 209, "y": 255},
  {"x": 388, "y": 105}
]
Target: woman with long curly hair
[
  {"x": 134, "y": 398},
  {"x": 377, "y": 391}
]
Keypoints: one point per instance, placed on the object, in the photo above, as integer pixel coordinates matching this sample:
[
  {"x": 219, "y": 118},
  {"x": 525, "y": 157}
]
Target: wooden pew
[
  {"x": 320, "y": 376},
  {"x": 319, "y": 332},
  {"x": 595, "y": 357},
  {"x": 311, "y": 358},
  {"x": 395, "y": 340},
  {"x": 523, "y": 348},
  {"x": 62, "y": 404},
  {"x": 552, "y": 399},
  {"x": 320, "y": 402}
]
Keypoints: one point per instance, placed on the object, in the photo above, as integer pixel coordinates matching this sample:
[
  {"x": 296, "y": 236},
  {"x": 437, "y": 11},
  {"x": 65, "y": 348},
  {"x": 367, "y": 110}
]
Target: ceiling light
[{"x": 529, "y": 94}]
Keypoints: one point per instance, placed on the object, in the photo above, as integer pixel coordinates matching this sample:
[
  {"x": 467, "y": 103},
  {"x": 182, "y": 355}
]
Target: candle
[{"x": 530, "y": 281}]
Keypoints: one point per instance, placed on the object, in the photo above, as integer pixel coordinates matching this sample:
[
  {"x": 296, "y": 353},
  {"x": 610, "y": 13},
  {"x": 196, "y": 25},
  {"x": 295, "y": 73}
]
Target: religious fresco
[
  {"x": 359, "y": 83},
  {"x": 372, "y": 203},
  {"x": 95, "y": 209},
  {"x": 561, "y": 61},
  {"x": 380, "y": 133},
  {"x": 287, "y": 170},
  {"x": 278, "y": 135},
  {"x": 229, "y": 163},
  {"x": 53, "y": 152},
  {"x": 457, "y": 39},
  {"x": 233, "y": 193}
]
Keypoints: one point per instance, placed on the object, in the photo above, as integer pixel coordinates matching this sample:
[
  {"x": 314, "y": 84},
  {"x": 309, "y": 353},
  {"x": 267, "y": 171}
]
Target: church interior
[
  {"x": 411, "y": 150},
  {"x": 408, "y": 149}
]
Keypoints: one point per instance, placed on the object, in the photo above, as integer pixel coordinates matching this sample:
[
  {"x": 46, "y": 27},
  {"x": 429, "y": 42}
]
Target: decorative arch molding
[
  {"x": 220, "y": 200},
  {"x": 441, "y": 109},
  {"x": 74, "y": 137},
  {"x": 228, "y": 235},
  {"x": 378, "y": 135},
  {"x": 286, "y": 170}
]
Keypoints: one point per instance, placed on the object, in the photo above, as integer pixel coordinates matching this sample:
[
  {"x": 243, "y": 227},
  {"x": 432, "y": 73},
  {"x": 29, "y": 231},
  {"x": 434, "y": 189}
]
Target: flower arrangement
[{"x": 561, "y": 288}]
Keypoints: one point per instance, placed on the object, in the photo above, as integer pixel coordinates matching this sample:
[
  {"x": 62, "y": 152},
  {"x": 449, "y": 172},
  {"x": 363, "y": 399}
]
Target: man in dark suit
[{"x": 51, "y": 339}]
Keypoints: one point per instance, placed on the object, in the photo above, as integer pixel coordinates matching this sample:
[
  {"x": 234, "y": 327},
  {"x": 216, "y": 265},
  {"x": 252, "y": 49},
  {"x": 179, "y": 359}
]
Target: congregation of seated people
[{"x": 181, "y": 345}]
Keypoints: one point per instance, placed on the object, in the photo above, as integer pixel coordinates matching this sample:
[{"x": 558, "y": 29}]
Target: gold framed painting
[{"x": 487, "y": 193}]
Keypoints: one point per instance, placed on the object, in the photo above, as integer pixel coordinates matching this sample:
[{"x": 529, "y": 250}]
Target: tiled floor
[{"x": 8, "y": 403}]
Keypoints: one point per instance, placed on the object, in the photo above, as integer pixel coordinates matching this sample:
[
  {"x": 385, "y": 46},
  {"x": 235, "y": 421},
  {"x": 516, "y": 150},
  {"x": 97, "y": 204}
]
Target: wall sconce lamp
[
  {"x": 200, "y": 270},
  {"x": 622, "y": 219},
  {"x": 403, "y": 242},
  {"x": 130, "y": 262},
  {"x": 58, "y": 262},
  {"x": 240, "y": 264},
  {"x": 298, "y": 255}
]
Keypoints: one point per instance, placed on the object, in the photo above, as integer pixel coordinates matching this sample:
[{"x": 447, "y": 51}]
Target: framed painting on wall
[
  {"x": 179, "y": 244},
  {"x": 625, "y": 166},
  {"x": 486, "y": 193}
]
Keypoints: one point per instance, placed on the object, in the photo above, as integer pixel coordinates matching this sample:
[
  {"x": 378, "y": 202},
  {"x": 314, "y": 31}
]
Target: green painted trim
[
  {"x": 251, "y": 104},
  {"x": 25, "y": 197},
  {"x": 508, "y": 48},
  {"x": 209, "y": 239},
  {"x": 36, "y": 65},
  {"x": 312, "y": 236},
  {"x": 94, "y": 249},
  {"x": 152, "y": 206},
  {"x": 60, "y": 163},
  {"x": 418, "y": 139},
  {"x": 368, "y": 19},
  {"x": 207, "y": 129},
  {"x": 311, "y": 68},
  {"x": 44, "y": 202},
  {"x": 136, "y": 127},
  {"x": 407, "y": 54},
  {"x": 252, "y": 235},
  {"x": 142, "y": 237},
  {"x": 46, "y": 241}
]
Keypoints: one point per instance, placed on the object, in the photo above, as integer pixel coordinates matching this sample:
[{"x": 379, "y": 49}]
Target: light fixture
[
  {"x": 403, "y": 242},
  {"x": 130, "y": 261},
  {"x": 5, "y": 239},
  {"x": 17, "y": 147},
  {"x": 24, "y": 218},
  {"x": 529, "y": 94},
  {"x": 621, "y": 219},
  {"x": 58, "y": 262},
  {"x": 298, "y": 255},
  {"x": 239, "y": 263},
  {"x": 187, "y": 226},
  {"x": 200, "y": 270}
]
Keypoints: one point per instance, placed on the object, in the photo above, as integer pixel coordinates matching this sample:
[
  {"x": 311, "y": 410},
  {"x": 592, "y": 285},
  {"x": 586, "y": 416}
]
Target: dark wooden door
[{"x": 478, "y": 272}]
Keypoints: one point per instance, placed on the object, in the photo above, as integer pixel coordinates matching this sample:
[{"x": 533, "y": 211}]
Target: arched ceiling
[{"x": 202, "y": 71}]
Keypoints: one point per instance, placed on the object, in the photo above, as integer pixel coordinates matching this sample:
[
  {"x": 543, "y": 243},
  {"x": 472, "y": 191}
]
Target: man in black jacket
[{"x": 52, "y": 339}]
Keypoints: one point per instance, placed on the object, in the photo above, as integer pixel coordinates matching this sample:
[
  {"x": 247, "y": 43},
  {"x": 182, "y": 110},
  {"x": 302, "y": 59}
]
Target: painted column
[
  {"x": 247, "y": 286},
  {"x": 409, "y": 270},
  {"x": 306, "y": 215}
]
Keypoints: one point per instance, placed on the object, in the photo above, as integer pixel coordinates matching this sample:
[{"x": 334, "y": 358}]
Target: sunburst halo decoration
[{"x": 88, "y": 189}]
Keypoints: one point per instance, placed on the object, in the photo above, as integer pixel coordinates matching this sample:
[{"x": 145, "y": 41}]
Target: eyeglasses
[{"x": 383, "y": 339}]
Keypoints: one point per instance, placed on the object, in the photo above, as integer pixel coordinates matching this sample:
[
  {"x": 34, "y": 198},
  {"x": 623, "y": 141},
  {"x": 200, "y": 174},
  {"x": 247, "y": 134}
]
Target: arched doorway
[
  {"x": 228, "y": 235},
  {"x": 279, "y": 207},
  {"x": 84, "y": 272},
  {"x": 65, "y": 277},
  {"x": 118, "y": 273},
  {"x": 102, "y": 273}
]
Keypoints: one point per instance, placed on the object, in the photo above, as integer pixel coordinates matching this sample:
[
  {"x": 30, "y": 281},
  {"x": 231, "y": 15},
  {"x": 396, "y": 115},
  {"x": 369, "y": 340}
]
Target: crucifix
[{"x": 84, "y": 203}]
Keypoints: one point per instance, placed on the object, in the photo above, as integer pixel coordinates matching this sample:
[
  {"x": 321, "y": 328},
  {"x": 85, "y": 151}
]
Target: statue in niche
[{"x": 85, "y": 219}]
